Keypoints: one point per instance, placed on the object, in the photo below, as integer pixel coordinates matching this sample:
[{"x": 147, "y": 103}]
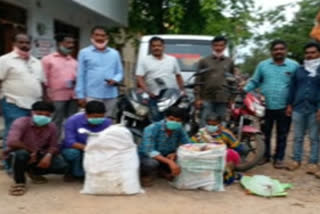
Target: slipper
[{"x": 17, "y": 189}]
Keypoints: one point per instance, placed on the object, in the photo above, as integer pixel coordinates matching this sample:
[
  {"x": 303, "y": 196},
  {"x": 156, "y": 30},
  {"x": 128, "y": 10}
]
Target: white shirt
[
  {"x": 152, "y": 68},
  {"x": 21, "y": 80}
]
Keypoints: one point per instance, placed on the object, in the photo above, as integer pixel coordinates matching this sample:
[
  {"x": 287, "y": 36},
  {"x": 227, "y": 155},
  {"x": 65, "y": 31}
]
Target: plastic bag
[
  {"x": 202, "y": 167},
  {"x": 264, "y": 186},
  {"x": 111, "y": 163}
]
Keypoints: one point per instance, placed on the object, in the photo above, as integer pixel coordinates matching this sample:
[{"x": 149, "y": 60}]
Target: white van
[{"x": 188, "y": 49}]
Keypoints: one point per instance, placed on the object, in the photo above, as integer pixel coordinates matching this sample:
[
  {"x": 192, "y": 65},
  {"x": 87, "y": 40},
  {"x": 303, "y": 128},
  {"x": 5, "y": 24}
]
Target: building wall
[
  {"x": 42, "y": 13},
  {"x": 116, "y": 10}
]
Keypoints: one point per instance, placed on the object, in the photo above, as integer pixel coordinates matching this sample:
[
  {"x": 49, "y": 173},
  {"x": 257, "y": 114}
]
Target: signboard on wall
[{"x": 42, "y": 47}]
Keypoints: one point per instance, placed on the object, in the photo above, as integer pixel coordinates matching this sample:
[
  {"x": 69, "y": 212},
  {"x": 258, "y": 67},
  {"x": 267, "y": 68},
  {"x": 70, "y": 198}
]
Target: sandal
[{"x": 17, "y": 189}]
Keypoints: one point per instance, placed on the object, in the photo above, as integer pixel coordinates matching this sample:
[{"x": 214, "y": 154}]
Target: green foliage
[
  {"x": 210, "y": 17},
  {"x": 296, "y": 33}
]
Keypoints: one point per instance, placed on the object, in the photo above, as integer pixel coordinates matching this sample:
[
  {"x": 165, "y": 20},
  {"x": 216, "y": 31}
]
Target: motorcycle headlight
[
  {"x": 141, "y": 110},
  {"x": 259, "y": 110},
  {"x": 165, "y": 104}
]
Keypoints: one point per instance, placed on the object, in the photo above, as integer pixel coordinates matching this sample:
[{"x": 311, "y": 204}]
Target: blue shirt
[
  {"x": 274, "y": 81},
  {"x": 94, "y": 67},
  {"x": 74, "y": 123},
  {"x": 156, "y": 140},
  {"x": 304, "y": 93}
]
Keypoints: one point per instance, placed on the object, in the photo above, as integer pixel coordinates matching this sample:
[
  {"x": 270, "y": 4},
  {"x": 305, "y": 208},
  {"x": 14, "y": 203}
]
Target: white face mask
[
  {"x": 311, "y": 66},
  {"x": 99, "y": 45},
  {"x": 218, "y": 55}
]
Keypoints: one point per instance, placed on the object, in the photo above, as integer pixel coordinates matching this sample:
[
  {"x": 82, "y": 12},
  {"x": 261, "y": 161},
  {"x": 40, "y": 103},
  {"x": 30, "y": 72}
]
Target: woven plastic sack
[
  {"x": 202, "y": 167},
  {"x": 264, "y": 186},
  {"x": 111, "y": 163}
]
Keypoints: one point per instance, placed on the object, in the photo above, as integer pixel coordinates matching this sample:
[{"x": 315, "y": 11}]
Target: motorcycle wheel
[{"x": 255, "y": 149}]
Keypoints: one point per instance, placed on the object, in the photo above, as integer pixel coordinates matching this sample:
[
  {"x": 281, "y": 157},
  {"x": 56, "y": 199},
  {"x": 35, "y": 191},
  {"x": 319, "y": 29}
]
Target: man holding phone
[{"x": 99, "y": 71}]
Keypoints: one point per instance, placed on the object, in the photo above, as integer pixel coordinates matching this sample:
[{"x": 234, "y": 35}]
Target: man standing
[
  {"x": 158, "y": 149},
  {"x": 60, "y": 70},
  {"x": 74, "y": 142},
  {"x": 21, "y": 79},
  {"x": 211, "y": 96},
  {"x": 158, "y": 66},
  {"x": 304, "y": 105},
  {"x": 33, "y": 148},
  {"x": 273, "y": 77},
  {"x": 99, "y": 71}
]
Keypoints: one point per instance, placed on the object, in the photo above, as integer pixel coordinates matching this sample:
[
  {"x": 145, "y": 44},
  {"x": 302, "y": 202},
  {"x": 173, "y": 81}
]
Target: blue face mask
[
  {"x": 41, "y": 120},
  {"x": 212, "y": 129},
  {"x": 96, "y": 121},
  {"x": 173, "y": 125}
]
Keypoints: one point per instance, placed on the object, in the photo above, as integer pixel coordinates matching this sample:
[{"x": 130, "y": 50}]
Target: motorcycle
[
  {"x": 246, "y": 113},
  {"x": 133, "y": 107}
]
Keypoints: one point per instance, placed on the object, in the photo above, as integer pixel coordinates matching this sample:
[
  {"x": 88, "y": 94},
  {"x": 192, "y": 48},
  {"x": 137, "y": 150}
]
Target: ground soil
[{"x": 58, "y": 197}]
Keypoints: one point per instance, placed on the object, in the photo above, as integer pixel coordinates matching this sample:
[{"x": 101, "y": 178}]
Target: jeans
[
  {"x": 150, "y": 166},
  {"x": 155, "y": 115},
  {"x": 63, "y": 110},
  {"x": 302, "y": 124},
  {"x": 19, "y": 162},
  {"x": 74, "y": 157},
  {"x": 283, "y": 126},
  {"x": 212, "y": 107},
  {"x": 11, "y": 112}
]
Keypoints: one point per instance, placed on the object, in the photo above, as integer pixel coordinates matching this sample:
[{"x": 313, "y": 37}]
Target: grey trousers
[
  {"x": 63, "y": 110},
  {"x": 209, "y": 107},
  {"x": 110, "y": 104},
  {"x": 151, "y": 167}
]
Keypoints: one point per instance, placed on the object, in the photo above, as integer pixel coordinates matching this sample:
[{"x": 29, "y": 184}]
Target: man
[
  {"x": 21, "y": 79},
  {"x": 304, "y": 105},
  {"x": 212, "y": 96},
  {"x": 155, "y": 67},
  {"x": 33, "y": 148},
  {"x": 273, "y": 77},
  {"x": 60, "y": 70},
  {"x": 99, "y": 71},
  {"x": 74, "y": 143},
  {"x": 159, "y": 145}
]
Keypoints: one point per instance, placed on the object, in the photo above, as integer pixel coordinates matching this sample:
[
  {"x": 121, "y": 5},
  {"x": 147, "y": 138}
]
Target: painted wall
[
  {"x": 116, "y": 10},
  {"x": 42, "y": 13}
]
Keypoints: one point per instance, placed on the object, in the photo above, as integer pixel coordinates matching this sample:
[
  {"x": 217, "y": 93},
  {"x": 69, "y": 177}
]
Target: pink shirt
[{"x": 60, "y": 73}]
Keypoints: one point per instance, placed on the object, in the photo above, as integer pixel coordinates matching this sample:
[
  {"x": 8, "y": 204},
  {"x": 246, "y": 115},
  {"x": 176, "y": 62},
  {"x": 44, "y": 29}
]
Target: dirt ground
[{"x": 58, "y": 197}]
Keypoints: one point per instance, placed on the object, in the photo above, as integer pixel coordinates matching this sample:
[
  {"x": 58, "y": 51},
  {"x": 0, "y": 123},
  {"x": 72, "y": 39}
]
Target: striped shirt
[{"x": 222, "y": 136}]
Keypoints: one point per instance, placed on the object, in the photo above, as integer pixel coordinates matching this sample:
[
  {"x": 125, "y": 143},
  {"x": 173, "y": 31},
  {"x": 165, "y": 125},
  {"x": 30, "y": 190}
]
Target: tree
[{"x": 295, "y": 33}]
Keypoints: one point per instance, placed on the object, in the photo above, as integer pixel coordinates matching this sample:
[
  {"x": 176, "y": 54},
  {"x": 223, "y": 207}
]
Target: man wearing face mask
[
  {"x": 33, "y": 148},
  {"x": 99, "y": 70},
  {"x": 304, "y": 106},
  {"x": 159, "y": 145},
  {"x": 273, "y": 76},
  {"x": 211, "y": 95},
  {"x": 60, "y": 70},
  {"x": 74, "y": 142},
  {"x": 21, "y": 81}
]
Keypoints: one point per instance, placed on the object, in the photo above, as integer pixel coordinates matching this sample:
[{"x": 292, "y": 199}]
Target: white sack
[{"x": 111, "y": 163}]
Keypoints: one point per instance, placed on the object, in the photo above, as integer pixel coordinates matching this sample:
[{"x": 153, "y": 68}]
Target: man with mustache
[
  {"x": 158, "y": 65},
  {"x": 21, "y": 81},
  {"x": 273, "y": 76},
  {"x": 60, "y": 70},
  {"x": 99, "y": 70}
]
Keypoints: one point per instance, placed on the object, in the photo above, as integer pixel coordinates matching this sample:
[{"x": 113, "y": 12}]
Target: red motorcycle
[{"x": 246, "y": 115}]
